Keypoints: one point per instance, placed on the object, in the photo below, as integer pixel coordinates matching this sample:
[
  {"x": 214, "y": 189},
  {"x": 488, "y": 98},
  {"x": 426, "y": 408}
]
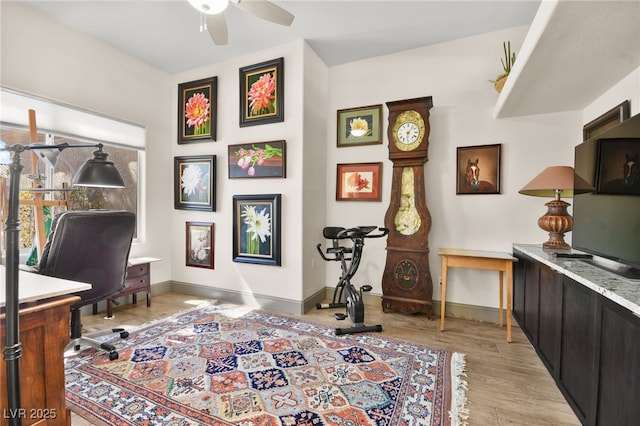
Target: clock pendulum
[{"x": 406, "y": 281}]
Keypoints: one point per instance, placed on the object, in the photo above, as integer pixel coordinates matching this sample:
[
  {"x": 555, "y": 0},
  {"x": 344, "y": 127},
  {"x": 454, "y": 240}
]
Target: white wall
[
  {"x": 42, "y": 57},
  {"x": 626, "y": 89},
  {"x": 456, "y": 75},
  {"x": 284, "y": 282}
]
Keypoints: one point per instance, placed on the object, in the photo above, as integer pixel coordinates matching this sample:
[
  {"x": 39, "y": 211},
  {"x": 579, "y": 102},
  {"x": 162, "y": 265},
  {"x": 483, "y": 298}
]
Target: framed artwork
[
  {"x": 197, "y": 110},
  {"x": 262, "y": 93},
  {"x": 606, "y": 121},
  {"x": 358, "y": 182},
  {"x": 618, "y": 166},
  {"x": 257, "y": 160},
  {"x": 360, "y": 126},
  {"x": 478, "y": 169},
  {"x": 194, "y": 181},
  {"x": 200, "y": 244},
  {"x": 256, "y": 229}
]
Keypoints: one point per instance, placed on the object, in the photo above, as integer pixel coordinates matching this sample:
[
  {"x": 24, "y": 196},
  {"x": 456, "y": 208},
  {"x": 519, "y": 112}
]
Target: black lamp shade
[{"x": 98, "y": 171}]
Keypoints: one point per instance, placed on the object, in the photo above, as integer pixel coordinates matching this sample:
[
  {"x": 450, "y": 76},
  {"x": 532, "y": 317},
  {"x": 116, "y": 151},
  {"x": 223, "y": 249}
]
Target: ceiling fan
[{"x": 214, "y": 22}]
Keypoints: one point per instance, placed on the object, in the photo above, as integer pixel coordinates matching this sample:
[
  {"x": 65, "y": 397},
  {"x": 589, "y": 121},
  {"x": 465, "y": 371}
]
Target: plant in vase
[{"x": 507, "y": 63}]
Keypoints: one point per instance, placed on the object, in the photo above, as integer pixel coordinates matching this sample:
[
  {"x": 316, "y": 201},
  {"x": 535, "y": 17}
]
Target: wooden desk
[
  {"x": 44, "y": 334},
  {"x": 479, "y": 259}
]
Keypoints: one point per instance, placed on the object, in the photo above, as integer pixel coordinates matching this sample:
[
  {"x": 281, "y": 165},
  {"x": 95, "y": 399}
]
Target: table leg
[
  {"x": 501, "y": 298},
  {"x": 443, "y": 291},
  {"x": 509, "y": 290}
]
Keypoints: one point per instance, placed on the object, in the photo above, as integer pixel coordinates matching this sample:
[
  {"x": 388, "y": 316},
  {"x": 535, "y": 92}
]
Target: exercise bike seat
[{"x": 331, "y": 233}]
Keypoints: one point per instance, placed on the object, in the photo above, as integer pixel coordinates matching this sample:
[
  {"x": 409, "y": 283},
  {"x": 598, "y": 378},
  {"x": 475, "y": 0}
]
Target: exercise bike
[{"x": 345, "y": 294}]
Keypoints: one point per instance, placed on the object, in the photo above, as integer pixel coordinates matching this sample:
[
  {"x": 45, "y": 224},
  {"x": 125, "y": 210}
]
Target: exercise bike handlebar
[{"x": 362, "y": 232}]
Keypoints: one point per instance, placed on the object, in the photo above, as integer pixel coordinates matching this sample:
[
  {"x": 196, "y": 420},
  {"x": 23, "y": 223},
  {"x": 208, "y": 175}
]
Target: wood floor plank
[{"x": 508, "y": 384}]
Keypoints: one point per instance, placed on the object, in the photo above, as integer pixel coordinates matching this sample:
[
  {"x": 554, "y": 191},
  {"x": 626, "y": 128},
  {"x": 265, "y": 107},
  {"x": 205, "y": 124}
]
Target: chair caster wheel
[
  {"x": 113, "y": 356},
  {"x": 340, "y": 317},
  {"x": 124, "y": 334}
]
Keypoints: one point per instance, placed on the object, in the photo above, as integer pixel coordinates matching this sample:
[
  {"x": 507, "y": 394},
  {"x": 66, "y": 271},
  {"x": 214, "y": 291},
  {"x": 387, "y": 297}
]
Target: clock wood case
[{"x": 406, "y": 281}]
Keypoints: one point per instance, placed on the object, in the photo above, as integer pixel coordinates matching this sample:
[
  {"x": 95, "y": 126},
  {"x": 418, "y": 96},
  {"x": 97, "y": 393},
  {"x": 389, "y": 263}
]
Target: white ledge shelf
[{"x": 574, "y": 52}]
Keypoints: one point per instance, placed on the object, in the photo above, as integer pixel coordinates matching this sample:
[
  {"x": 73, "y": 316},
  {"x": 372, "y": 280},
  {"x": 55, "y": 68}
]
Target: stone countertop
[{"x": 623, "y": 291}]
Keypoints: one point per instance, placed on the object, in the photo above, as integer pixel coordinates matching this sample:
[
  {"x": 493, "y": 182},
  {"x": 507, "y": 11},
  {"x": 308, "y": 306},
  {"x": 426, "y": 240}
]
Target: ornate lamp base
[{"x": 556, "y": 221}]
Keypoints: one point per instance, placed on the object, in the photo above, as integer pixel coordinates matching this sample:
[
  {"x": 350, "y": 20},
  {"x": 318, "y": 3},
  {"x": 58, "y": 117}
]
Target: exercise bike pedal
[
  {"x": 340, "y": 316},
  {"x": 366, "y": 287}
]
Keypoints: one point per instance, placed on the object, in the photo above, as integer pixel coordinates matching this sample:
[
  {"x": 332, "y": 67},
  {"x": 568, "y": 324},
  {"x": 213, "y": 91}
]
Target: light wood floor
[{"x": 508, "y": 384}]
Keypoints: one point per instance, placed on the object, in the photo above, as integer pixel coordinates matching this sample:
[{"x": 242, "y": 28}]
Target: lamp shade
[
  {"x": 554, "y": 179},
  {"x": 98, "y": 171}
]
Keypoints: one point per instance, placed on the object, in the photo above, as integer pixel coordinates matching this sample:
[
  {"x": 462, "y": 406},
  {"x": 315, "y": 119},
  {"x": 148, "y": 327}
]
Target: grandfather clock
[{"x": 406, "y": 282}]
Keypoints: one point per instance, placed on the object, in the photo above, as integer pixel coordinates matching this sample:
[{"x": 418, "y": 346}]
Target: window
[{"x": 123, "y": 142}]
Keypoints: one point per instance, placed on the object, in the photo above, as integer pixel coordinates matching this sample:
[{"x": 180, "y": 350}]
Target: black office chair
[{"x": 92, "y": 247}]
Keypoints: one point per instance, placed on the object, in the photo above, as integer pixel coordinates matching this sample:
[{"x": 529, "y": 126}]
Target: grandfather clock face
[
  {"x": 408, "y": 130},
  {"x": 406, "y": 282}
]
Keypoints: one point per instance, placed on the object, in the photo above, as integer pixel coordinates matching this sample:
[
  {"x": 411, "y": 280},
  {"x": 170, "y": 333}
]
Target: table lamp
[{"x": 553, "y": 182}]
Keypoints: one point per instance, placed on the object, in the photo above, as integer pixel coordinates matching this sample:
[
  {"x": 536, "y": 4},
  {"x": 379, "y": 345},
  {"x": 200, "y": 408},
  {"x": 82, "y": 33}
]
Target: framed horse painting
[
  {"x": 618, "y": 166},
  {"x": 478, "y": 169}
]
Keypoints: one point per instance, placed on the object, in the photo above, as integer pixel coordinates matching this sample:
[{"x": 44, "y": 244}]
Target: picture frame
[
  {"x": 199, "y": 247},
  {"x": 478, "y": 169},
  {"x": 359, "y": 182},
  {"x": 257, "y": 160},
  {"x": 262, "y": 93},
  {"x": 197, "y": 110},
  {"x": 256, "y": 229},
  {"x": 618, "y": 166},
  {"x": 606, "y": 121},
  {"x": 194, "y": 181},
  {"x": 359, "y": 126}
]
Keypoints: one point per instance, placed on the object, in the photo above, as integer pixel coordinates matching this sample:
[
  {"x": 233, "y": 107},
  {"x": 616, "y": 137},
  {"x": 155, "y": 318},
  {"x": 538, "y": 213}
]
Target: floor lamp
[{"x": 97, "y": 171}]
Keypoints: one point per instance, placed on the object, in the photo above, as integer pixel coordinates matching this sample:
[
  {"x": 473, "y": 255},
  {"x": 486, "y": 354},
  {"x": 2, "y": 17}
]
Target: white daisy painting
[{"x": 256, "y": 229}]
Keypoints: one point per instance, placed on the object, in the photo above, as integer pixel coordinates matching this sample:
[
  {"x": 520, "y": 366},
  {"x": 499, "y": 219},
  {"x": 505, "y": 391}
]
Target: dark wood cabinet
[
  {"x": 549, "y": 317},
  {"x": 536, "y": 302},
  {"x": 531, "y": 300},
  {"x": 138, "y": 281},
  {"x": 577, "y": 360},
  {"x": 619, "y": 372},
  {"x": 589, "y": 344}
]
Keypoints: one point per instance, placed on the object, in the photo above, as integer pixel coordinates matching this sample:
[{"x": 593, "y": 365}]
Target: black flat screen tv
[{"x": 606, "y": 222}]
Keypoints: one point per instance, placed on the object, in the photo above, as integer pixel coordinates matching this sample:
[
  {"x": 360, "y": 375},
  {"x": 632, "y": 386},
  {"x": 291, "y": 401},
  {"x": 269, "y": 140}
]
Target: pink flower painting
[
  {"x": 196, "y": 112},
  {"x": 262, "y": 97},
  {"x": 262, "y": 93}
]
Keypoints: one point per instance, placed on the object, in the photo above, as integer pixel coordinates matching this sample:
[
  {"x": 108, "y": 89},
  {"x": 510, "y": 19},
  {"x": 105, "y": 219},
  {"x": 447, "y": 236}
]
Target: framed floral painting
[
  {"x": 358, "y": 182},
  {"x": 360, "y": 126},
  {"x": 197, "y": 110},
  {"x": 200, "y": 244},
  {"x": 194, "y": 183},
  {"x": 256, "y": 229},
  {"x": 257, "y": 160},
  {"x": 262, "y": 93}
]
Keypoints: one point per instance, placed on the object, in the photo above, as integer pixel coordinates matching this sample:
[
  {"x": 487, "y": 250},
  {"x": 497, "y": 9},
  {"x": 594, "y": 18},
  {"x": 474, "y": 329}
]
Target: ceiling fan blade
[
  {"x": 217, "y": 27},
  {"x": 266, "y": 10}
]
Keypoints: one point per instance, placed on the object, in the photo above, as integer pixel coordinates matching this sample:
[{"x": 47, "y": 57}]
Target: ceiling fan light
[{"x": 210, "y": 7}]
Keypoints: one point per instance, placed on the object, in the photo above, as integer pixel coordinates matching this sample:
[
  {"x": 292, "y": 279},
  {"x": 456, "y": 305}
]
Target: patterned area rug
[{"x": 222, "y": 364}]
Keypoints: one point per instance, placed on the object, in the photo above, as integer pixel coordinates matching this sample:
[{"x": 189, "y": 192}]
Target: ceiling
[{"x": 166, "y": 34}]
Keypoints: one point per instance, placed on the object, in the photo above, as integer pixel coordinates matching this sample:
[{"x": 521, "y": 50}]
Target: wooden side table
[
  {"x": 138, "y": 280},
  {"x": 479, "y": 259}
]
